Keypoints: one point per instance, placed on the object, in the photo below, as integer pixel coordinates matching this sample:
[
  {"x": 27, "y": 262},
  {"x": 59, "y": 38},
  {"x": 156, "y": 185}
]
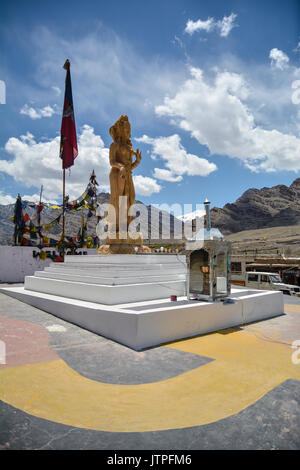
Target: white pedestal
[
  {"x": 127, "y": 298},
  {"x": 112, "y": 279}
]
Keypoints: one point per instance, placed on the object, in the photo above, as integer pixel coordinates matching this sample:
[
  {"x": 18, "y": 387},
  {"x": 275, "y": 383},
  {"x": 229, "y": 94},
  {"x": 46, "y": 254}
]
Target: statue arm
[{"x": 138, "y": 158}]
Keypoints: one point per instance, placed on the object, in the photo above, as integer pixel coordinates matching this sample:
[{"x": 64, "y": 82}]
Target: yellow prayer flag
[{"x": 43, "y": 255}]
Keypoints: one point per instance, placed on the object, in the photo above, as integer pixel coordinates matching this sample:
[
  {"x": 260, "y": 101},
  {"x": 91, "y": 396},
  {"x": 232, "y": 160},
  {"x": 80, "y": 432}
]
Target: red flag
[
  {"x": 68, "y": 141},
  {"x": 26, "y": 218}
]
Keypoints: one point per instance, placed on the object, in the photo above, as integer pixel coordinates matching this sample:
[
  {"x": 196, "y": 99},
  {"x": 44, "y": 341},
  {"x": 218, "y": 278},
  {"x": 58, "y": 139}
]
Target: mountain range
[
  {"x": 254, "y": 209},
  {"x": 260, "y": 208},
  {"x": 161, "y": 222}
]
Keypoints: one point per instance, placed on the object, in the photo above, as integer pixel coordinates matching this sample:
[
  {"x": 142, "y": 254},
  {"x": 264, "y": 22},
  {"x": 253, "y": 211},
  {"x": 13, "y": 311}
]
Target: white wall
[{"x": 16, "y": 262}]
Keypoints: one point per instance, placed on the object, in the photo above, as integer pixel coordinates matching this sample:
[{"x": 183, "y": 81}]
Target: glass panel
[
  {"x": 275, "y": 278},
  {"x": 199, "y": 272},
  {"x": 221, "y": 273}
]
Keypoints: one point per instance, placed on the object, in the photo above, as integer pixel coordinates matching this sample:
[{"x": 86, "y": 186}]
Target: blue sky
[{"x": 210, "y": 89}]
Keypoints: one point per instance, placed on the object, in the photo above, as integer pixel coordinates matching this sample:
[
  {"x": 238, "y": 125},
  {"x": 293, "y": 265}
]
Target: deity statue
[{"x": 122, "y": 193}]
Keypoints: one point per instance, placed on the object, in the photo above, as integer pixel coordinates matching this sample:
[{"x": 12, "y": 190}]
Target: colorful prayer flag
[{"x": 26, "y": 218}]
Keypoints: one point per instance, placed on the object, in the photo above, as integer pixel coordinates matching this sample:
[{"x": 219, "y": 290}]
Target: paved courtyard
[{"x": 63, "y": 387}]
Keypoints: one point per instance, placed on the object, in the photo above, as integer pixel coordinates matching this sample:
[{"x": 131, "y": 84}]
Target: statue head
[{"x": 121, "y": 129}]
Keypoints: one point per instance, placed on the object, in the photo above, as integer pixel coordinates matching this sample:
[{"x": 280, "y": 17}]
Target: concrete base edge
[{"x": 143, "y": 325}]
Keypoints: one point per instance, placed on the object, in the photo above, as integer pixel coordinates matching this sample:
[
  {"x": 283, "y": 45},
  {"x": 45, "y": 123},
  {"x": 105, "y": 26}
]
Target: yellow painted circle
[{"x": 245, "y": 368}]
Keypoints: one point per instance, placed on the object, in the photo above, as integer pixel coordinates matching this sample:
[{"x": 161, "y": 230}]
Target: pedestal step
[
  {"x": 109, "y": 279},
  {"x": 121, "y": 270},
  {"x": 112, "y": 279},
  {"x": 141, "y": 259},
  {"x": 106, "y": 294}
]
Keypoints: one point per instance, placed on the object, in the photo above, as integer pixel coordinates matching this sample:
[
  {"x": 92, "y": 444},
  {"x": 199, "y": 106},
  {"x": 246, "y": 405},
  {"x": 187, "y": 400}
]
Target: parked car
[{"x": 270, "y": 281}]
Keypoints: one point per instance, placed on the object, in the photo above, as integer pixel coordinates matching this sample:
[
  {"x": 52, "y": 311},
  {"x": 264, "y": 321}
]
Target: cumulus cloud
[
  {"x": 215, "y": 113},
  {"x": 36, "y": 198},
  {"x": 34, "y": 163},
  {"x": 279, "y": 59},
  {"x": 166, "y": 175},
  {"x": 199, "y": 25},
  {"x": 38, "y": 113},
  {"x": 145, "y": 186},
  {"x": 177, "y": 160},
  {"x": 226, "y": 24},
  {"x": 223, "y": 26},
  {"x": 6, "y": 199}
]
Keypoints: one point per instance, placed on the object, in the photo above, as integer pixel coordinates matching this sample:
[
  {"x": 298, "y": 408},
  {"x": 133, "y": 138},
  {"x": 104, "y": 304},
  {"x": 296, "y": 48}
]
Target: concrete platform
[
  {"x": 126, "y": 298},
  {"x": 140, "y": 325},
  {"x": 112, "y": 279}
]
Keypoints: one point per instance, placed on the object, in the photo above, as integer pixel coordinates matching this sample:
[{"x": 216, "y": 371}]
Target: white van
[{"x": 270, "y": 281}]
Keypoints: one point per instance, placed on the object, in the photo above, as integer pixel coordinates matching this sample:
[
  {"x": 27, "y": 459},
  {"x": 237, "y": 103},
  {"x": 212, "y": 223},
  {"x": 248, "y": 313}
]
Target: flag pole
[
  {"x": 39, "y": 212},
  {"x": 66, "y": 66},
  {"x": 64, "y": 206},
  {"x": 68, "y": 142}
]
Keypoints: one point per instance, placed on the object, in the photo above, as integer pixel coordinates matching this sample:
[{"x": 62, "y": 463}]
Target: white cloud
[
  {"x": 193, "y": 26},
  {"x": 145, "y": 186},
  {"x": 6, "y": 199},
  {"x": 226, "y": 24},
  {"x": 57, "y": 90},
  {"x": 105, "y": 69},
  {"x": 34, "y": 163},
  {"x": 223, "y": 26},
  {"x": 279, "y": 59},
  {"x": 38, "y": 113},
  {"x": 216, "y": 115},
  {"x": 36, "y": 198},
  {"x": 166, "y": 175},
  {"x": 176, "y": 158},
  {"x": 37, "y": 163}
]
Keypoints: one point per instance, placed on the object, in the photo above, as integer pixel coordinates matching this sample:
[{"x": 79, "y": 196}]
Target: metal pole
[
  {"x": 64, "y": 191},
  {"x": 39, "y": 212},
  {"x": 188, "y": 277}
]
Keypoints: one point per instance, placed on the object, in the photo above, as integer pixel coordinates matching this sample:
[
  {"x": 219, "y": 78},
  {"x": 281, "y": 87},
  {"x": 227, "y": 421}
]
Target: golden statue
[{"x": 122, "y": 194}]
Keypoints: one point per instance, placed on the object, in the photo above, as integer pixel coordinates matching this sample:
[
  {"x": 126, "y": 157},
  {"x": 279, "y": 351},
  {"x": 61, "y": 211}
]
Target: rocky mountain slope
[{"x": 260, "y": 208}]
